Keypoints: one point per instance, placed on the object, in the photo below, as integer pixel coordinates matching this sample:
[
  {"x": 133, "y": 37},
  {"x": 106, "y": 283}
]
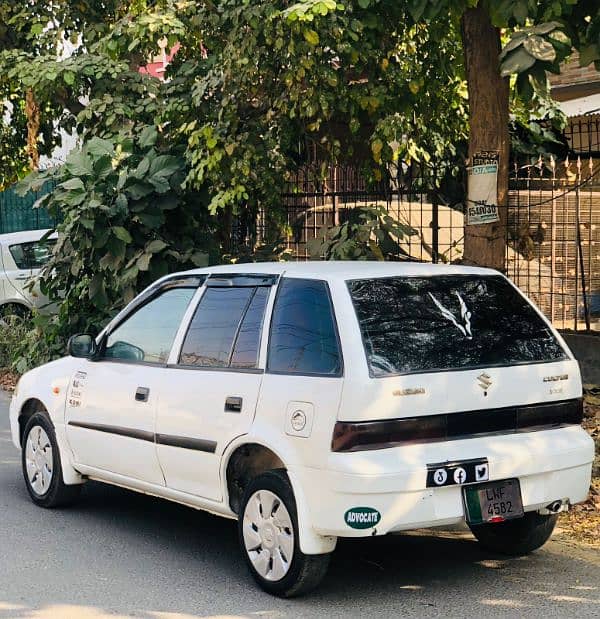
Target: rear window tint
[
  {"x": 413, "y": 324},
  {"x": 212, "y": 332},
  {"x": 245, "y": 350},
  {"x": 303, "y": 337}
]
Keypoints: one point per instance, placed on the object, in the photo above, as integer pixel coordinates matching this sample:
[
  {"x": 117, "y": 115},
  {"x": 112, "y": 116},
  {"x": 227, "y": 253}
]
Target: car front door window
[{"x": 147, "y": 336}]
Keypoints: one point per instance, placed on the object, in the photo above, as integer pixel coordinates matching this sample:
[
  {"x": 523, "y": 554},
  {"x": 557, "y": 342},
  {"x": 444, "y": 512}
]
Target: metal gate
[{"x": 552, "y": 231}]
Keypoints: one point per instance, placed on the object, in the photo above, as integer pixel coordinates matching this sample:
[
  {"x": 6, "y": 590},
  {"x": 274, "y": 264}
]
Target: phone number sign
[{"x": 483, "y": 188}]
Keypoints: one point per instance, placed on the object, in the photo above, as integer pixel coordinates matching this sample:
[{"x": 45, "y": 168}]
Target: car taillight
[
  {"x": 362, "y": 435},
  {"x": 356, "y": 436}
]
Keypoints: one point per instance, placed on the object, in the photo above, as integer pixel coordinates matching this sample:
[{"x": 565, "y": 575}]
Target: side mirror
[{"x": 82, "y": 346}]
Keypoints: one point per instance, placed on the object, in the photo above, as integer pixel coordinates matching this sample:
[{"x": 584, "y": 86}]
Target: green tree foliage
[
  {"x": 367, "y": 79},
  {"x": 280, "y": 81},
  {"x": 256, "y": 89},
  {"x": 125, "y": 223},
  {"x": 13, "y": 154},
  {"x": 538, "y": 35},
  {"x": 369, "y": 233},
  {"x": 30, "y": 31},
  {"x": 68, "y": 55}
]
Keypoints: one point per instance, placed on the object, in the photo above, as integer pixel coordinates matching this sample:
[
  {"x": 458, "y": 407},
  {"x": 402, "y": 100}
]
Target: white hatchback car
[
  {"x": 316, "y": 401},
  {"x": 22, "y": 255}
]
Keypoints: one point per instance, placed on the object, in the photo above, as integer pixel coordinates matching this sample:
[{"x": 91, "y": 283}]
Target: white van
[{"x": 316, "y": 401}]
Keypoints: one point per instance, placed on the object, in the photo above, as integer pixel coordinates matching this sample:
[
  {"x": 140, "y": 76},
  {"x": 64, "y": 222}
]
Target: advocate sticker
[{"x": 362, "y": 517}]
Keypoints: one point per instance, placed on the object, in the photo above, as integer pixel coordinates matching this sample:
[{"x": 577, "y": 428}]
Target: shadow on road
[{"x": 137, "y": 555}]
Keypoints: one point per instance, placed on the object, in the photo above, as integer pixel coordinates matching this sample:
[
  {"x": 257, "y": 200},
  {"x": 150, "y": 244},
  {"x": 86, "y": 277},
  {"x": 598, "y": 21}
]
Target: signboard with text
[{"x": 482, "y": 205}]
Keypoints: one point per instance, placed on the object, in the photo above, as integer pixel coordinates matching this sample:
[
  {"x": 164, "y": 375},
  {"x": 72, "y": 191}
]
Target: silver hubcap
[
  {"x": 268, "y": 535},
  {"x": 38, "y": 460}
]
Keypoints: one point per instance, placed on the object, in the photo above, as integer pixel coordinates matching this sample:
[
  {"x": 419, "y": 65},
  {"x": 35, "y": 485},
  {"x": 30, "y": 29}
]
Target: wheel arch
[
  {"x": 33, "y": 405},
  {"x": 28, "y": 409},
  {"x": 310, "y": 541},
  {"x": 20, "y": 303},
  {"x": 245, "y": 461}
]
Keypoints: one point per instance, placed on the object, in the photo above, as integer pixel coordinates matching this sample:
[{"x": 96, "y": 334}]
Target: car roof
[
  {"x": 25, "y": 236},
  {"x": 345, "y": 270}
]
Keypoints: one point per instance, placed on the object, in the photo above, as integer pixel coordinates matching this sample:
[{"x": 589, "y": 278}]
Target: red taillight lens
[
  {"x": 362, "y": 435},
  {"x": 356, "y": 436}
]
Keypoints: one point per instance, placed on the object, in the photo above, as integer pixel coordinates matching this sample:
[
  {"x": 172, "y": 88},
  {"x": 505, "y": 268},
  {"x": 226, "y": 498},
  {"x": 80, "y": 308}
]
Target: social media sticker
[
  {"x": 460, "y": 475},
  {"x": 440, "y": 477},
  {"x": 482, "y": 472}
]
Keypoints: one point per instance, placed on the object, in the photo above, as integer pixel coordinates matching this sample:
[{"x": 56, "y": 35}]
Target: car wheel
[
  {"x": 41, "y": 465},
  {"x": 268, "y": 532},
  {"x": 14, "y": 314},
  {"x": 516, "y": 537}
]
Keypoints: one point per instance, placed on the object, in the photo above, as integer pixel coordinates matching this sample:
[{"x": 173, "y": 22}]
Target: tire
[
  {"x": 516, "y": 537},
  {"x": 40, "y": 460},
  {"x": 276, "y": 538},
  {"x": 14, "y": 314}
]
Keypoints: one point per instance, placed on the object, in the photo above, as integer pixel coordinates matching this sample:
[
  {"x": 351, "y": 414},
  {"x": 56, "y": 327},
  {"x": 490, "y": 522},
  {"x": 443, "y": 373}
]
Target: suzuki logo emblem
[{"x": 485, "y": 381}]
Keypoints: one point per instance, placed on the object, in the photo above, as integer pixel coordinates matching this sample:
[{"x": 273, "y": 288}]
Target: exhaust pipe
[{"x": 556, "y": 507}]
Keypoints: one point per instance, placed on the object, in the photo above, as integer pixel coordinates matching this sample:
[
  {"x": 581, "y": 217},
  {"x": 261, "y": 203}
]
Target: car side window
[
  {"x": 225, "y": 330},
  {"x": 303, "y": 338},
  {"x": 148, "y": 334},
  {"x": 32, "y": 255}
]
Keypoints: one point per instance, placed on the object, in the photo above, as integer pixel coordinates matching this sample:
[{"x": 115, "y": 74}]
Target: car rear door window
[
  {"x": 415, "y": 324},
  {"x": 148, "y": 334},
  {"x": 303, "y": 338},
  {"x": 226, "y": 327},
  {"x": 32, "y": 255},
  {"x": 245, "y": 352}
]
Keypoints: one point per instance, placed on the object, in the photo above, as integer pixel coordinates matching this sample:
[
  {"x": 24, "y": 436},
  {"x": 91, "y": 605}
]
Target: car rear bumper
[{"x": 550, "y": 465}]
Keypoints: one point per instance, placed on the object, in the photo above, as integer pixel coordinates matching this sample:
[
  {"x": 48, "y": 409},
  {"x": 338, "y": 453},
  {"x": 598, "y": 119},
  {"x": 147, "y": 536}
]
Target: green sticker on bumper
[{"x": 362, "y": 517}]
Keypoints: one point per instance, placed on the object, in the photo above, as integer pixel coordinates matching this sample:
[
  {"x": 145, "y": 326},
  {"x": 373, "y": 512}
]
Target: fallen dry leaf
[{"x": 8, "y": 379}]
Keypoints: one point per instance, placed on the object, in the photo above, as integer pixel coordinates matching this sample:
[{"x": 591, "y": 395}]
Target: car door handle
[
  {"x": 233, "y": 405},
  {"x": 141, "y": 394},
  {"x": 22, "y": 278}
]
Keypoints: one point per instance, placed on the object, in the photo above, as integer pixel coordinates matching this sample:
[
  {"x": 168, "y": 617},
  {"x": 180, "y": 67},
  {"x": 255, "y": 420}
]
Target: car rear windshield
[{"x": 417, "y": 324}]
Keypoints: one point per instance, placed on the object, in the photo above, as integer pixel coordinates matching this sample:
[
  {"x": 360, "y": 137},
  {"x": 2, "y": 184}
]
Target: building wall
[{"x": 575, "y": 81}]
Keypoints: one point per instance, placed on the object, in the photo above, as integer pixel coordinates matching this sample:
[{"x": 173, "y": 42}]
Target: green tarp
[{"x": 17, "y": 213}]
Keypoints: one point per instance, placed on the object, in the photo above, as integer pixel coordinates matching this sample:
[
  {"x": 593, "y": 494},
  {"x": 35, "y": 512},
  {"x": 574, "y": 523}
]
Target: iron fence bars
[
  {"x": 553, "y": 239},
  {"x": 414, "y": 195},
  {"x": 552, "y": 230},
  {"x": 583, "y": 135}
]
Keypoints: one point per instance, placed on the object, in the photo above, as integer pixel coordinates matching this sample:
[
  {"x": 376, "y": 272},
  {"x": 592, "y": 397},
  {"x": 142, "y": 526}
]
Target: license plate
[{"x": 493, "y": 502}]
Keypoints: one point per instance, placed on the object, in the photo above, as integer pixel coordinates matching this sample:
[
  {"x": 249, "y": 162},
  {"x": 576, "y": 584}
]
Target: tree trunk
[
  {"x": 32, "y": 111},
  {"x": 485, "y": 244},
  {"x": 225, "y": 223}
]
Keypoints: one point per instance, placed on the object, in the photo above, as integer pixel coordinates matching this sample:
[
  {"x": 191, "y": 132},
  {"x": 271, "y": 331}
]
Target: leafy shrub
[
  {"x": 42, "y": 339},
  {"x": 12, "y": 333},
  {"x": 368, "y": 234},
  {"x": 125, "y": 222}
]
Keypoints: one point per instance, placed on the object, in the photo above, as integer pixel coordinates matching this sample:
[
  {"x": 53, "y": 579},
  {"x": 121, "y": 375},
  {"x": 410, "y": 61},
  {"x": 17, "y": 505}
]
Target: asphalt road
[{"x": 120, "y": 554}]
